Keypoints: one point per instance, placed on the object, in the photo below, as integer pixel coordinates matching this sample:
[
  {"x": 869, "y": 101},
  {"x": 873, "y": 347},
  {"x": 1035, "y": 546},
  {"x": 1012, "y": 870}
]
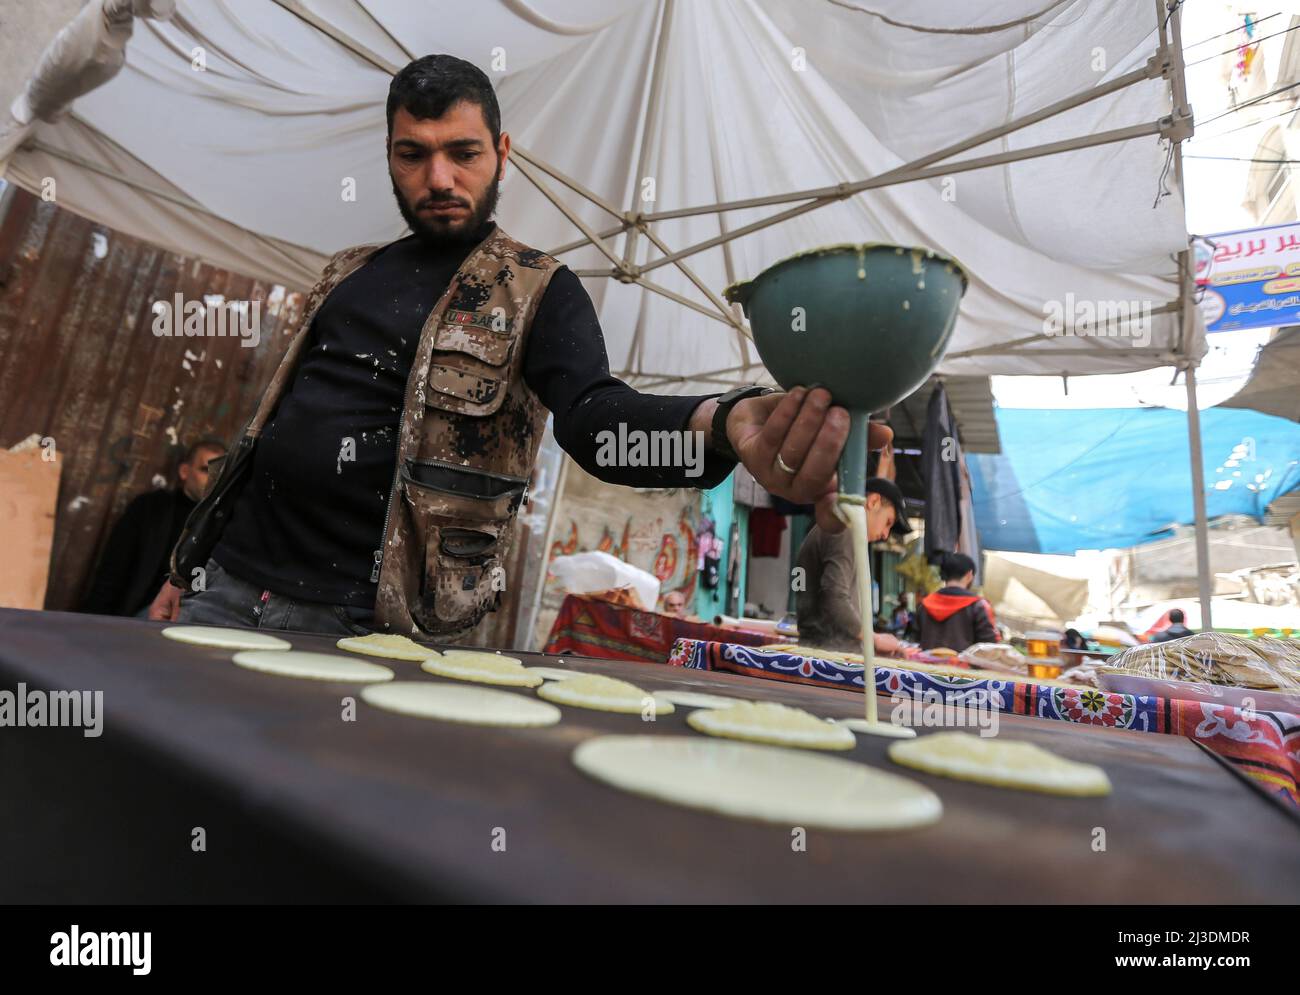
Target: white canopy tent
[{"x": 655, "y": 143}]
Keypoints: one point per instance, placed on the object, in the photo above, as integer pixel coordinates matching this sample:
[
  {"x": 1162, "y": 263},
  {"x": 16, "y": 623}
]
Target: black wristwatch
[{"x": 721, "y": 444}]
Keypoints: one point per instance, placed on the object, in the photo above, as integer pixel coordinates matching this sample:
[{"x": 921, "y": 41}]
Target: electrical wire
[
  {"x": 1252, "y": 124},
  {"x": 1247, "y": 44},
  {"x": 1251, "y": 102},
  {"x": 1237, "y": 158},
  {"x": 1233, "y": 31}
]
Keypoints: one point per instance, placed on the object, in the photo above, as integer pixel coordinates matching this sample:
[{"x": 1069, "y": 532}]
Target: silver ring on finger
[{"x": 783, "y": 465}]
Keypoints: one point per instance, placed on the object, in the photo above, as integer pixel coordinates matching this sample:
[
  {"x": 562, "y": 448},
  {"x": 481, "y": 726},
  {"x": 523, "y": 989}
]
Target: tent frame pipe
[
  {"x": 1173, "y": 42},
  {"x": 729, "y": 315},
  {"x": 300, "y": 11},
  {"x": 527, "y": 170},
  {"x": 651, "y": 115}
]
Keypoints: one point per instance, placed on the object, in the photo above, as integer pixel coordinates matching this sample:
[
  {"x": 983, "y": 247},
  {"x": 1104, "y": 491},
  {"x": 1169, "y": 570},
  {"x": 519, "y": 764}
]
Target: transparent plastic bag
[
  {"x": 1217, "y": 658},
  {"x": 608, "y": 578}
]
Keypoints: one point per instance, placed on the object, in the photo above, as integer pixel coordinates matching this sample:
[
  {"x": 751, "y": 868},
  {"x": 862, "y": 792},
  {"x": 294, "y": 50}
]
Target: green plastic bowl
[{"x": 868, "y": 322}]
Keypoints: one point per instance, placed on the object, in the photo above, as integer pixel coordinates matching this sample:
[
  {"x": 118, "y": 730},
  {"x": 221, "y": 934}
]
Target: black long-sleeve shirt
[
  {"x": 135, "y": 559},
  {"x": 309, "y": 520}
]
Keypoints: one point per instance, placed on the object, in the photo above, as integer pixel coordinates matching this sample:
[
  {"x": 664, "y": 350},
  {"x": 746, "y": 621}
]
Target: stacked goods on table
[
  {"x": 1218, "y": 658},
  {"x": 1212, "y": 666}
]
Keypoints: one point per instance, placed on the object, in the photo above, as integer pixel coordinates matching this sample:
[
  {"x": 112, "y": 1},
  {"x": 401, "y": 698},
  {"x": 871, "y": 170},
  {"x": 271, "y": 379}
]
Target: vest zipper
[{"x": 388, "y": 514}]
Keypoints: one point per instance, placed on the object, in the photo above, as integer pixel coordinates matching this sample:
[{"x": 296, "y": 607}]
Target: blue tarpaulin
[{"x": 1113, "y": 477}]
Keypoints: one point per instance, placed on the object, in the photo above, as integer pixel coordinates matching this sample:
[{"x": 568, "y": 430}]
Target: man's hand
[
  {"x": 886, "y": 643},
  {"x": 166, "y": 606},
  {"x": 808, "y": 433}
]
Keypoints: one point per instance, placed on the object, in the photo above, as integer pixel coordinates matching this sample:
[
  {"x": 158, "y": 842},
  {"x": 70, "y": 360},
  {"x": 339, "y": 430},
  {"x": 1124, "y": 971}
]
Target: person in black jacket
[
  {"x": 1176, "y": 629},
  {"x": 136, "y": 558},
  {"x": 952, "y": 616}
]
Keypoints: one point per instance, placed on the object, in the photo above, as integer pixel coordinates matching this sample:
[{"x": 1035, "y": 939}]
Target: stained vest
[{"x": 469, "y": 432}]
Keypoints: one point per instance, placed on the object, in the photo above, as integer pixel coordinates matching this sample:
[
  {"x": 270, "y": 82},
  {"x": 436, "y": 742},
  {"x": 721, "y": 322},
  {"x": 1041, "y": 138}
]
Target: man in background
[
  {"x": 137, "y": 556},
  {"x": 954, "y": 617},
  {"x": 1176, "y": 629},
  {"x": 674, "y": 603},
  {"x": 827, "y": 607}
]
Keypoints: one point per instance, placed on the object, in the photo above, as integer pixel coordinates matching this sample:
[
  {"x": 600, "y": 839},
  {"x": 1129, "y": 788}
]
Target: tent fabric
[
  {"x": 1110, "y": 478},
  {"x": 238, "y": 125},
  {"x": 1274, "y": 384},
  {"x": 1015, "y": 587},
  {"x": 83, "y": 56}
]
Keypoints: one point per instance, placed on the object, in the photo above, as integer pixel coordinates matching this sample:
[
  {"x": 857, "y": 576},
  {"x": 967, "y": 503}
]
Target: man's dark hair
[
  {"x": 1176, "y": 617},
  {"x": 954, "y": 566},
  {"x": 432, "y": 84},
  {"x": 195, "y": 447}
]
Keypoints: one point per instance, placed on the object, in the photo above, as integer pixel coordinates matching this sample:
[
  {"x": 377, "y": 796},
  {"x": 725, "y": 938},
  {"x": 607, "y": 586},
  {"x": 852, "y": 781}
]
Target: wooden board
[
  {"x": 414, "y": 806},
  {"x": 29, "y": 491}
]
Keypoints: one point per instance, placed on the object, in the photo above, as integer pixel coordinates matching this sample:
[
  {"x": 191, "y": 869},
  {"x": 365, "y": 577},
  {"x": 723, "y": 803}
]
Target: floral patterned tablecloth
[
  {"x": 1263, "y": 745},
  {"x": 587, "y": 627}
]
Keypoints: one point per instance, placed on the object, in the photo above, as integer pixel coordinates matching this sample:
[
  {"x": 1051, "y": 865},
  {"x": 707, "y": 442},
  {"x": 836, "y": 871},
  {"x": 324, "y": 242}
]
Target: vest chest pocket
[
  {"x": 470, "y": 363},
  {"x": 461, "y": 521}
]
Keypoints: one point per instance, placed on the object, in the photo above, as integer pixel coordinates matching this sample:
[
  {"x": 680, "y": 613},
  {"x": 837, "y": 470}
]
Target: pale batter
[
  {"x": 312, "y": 666},
  {"x": 460, "y": 703},
  {"x": 786, "y": 787}
]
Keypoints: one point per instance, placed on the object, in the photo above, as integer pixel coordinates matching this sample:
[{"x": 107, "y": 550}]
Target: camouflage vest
[{"x": 468, "y": 437}]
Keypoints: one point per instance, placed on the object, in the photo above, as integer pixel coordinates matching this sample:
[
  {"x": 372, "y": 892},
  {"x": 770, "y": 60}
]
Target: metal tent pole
[
  {"x": 1178, "y": 83},
  {"x": 1198, "y": 499}
]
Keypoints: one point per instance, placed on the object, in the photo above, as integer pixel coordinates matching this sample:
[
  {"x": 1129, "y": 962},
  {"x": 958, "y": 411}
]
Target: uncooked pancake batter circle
[
  {"x": 312, "y": 666},
  {"x": 225, "y": 638},
  {"x": 460, "y": 703},
  {"x": 787, "y": 787},
  {"x": 387, "y": 645}
]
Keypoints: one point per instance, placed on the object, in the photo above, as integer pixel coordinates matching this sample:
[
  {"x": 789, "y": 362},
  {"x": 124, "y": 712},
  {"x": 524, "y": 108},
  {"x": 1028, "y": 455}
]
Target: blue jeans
[{"x": 228, "y": 600}]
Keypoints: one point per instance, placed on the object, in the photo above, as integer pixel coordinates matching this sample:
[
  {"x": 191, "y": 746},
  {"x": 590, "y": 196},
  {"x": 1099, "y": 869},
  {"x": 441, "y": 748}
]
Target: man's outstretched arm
[{"x": 567, "y": 367}]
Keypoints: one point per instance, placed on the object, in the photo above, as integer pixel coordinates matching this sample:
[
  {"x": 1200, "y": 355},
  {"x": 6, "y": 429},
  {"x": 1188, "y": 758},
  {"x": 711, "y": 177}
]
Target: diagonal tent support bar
[
  {"x": 1084, "y": 333},
  {"x": 577, "y": 222},
  {"x": 728, "y": 315},
  {"x": 568, "y": 181},
  {"x": 579, "y": 243},
  {"x": 625, "y": 274},
  {"x": 651, "y": 115},
  {"x": 672, "y": 295},
  {"x": 303, "y": 13}
]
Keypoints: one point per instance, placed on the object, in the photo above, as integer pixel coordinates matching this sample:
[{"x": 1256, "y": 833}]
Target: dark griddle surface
[{"x": 411, "y": 805}]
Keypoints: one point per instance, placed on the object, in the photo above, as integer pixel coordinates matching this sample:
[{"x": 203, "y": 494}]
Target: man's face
[
  {"x": 675, "y": 603},
  {"x": 445, "y": 171},
  {"x": 194, "y": 474},
  {"x": 880, "y": 517}
]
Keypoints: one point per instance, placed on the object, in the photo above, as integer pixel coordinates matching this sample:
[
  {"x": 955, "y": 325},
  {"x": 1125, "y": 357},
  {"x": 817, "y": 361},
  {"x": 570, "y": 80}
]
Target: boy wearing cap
[{"x": 827, "y": 605}]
